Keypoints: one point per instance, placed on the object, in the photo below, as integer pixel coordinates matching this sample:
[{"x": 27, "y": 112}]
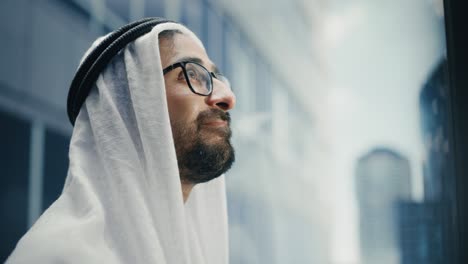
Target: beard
[{"x": 203, "y": 152}]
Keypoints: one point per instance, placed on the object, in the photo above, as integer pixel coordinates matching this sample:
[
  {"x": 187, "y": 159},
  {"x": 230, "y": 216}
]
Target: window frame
[{"x": 455, "y": 21}]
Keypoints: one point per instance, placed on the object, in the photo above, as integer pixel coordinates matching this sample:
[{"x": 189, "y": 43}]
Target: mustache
[{"x": 213, "y": 114}]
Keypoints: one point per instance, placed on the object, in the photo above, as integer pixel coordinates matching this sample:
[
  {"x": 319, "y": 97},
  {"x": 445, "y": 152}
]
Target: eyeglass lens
[{"x": 200, "y": 78}]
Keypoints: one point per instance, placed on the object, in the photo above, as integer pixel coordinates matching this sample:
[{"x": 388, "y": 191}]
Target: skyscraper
[
  {"x": 382, "y": 179},
  {"x": 434, "y": 102},
  {"x": 439, "y": 180}
]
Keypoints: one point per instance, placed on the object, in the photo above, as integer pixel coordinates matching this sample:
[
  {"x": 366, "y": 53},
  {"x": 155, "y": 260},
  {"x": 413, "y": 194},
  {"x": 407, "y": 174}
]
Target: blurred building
[
  {"x": 382, "y": 179},
  {"x": 420, "y": 233},
  {"x": 275, "y": 212},
  {"x": 434, "y": 103},
  {"x": 439, "y": 197}
]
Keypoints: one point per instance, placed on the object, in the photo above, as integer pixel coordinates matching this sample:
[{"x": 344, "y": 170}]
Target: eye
[
  {"x": 193, "y": 74},
  {"x": 181, "y": 76}
]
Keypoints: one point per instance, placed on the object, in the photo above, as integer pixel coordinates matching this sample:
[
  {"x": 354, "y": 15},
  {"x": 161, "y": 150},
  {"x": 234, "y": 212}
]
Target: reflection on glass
[
  {"x": 394, "y": 228},
  {"x": 389, "y": 95}
]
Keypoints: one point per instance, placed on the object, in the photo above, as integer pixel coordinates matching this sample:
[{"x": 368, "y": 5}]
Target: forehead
[{"x": 181, "y": 46}]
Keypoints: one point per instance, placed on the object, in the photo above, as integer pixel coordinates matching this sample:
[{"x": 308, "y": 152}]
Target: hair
[{"x": 168, "y": 34}]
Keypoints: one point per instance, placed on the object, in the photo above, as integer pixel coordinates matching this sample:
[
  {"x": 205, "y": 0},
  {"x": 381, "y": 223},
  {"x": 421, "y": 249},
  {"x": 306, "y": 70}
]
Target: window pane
[
  {"x": 55, "y": 166},
  {"x": 154, "y": 8},
  {"x": 120, "y": 7},
  {"x": 214, "y": 44},
  {"x": 356, "y": 167},
  {"x": 391, "y": 134},
  {"x": 14, "y": 164},
  {"x": 193, "y": 16}
]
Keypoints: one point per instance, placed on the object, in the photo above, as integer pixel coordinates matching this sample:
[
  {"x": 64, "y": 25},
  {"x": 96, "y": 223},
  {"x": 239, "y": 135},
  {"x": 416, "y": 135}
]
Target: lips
[
  {"x": 215, "y": 123},
  {"x": 214, "y": 118}
]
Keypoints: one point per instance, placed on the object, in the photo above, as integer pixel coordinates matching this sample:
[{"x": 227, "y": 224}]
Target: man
[{"x": 148, "y": 147}]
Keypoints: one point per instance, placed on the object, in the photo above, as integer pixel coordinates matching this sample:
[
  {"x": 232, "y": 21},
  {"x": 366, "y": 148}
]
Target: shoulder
[
  {"x": 37, "y": 247},
  {"x": 63, "y": 238}
]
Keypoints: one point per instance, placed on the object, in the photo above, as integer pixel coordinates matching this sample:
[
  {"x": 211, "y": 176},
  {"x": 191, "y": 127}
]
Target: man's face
[{"x": 200, "y": 124}]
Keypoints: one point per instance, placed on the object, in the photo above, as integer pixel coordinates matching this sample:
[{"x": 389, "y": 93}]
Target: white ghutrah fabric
[{"x": 122, "y": 200}]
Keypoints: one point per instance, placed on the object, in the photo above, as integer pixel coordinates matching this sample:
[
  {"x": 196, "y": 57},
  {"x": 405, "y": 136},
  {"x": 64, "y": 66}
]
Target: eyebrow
[{"x": 199, "y": 61}]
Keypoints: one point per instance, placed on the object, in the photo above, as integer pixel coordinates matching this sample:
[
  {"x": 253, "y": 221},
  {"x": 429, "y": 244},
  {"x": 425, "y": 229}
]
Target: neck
[{"x": 186, "y": 189}]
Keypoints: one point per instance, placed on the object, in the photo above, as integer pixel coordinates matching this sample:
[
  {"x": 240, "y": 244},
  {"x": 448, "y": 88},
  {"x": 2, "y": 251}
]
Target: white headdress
[{"x": 122, "y": 201}]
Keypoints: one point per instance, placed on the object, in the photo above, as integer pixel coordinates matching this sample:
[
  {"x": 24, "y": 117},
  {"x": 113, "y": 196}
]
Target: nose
[{"x": 222, "y": 96}]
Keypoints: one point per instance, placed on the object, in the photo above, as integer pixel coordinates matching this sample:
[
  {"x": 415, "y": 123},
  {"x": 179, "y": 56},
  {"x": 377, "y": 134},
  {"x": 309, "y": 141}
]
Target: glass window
[
  {"x": 193, "y": 16},
  {"x": 55, "y": 166},
  {"x": 362, "y": 174},
  {"x": 263, "y": 86},
  {"x": 214, "y": 44},
  {"x": 154, "y": 8},
  {"x": 391, "y": 145},
  {"x": 14, "y": 161},
  {"x": 229, "y": 39},
  {"x": 240, "y": 72},
  {"x": 120, "y": 8}
]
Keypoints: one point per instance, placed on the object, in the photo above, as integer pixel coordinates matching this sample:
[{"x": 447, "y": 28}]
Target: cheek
[{"x": 183, "y": 108}]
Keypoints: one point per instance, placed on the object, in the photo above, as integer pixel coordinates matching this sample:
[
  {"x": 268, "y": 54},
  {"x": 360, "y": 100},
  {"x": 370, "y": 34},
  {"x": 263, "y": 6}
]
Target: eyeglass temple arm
[{"x": 173, "y": 66}]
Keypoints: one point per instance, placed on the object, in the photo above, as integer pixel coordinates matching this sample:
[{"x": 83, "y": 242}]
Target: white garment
[{"x": 122, "y": 201}]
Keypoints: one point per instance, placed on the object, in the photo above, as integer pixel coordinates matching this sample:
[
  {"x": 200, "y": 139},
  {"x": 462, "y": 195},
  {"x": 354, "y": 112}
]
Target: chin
[{"x": 206, "y": 162}]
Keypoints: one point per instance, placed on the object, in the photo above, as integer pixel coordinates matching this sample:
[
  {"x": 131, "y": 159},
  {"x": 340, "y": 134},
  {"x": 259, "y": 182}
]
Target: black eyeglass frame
[{"x": 184, "y": 70}]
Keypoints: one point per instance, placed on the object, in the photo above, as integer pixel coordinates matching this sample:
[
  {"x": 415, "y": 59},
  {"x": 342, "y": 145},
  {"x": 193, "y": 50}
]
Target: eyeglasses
[{"x": 198, "y": 78}]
